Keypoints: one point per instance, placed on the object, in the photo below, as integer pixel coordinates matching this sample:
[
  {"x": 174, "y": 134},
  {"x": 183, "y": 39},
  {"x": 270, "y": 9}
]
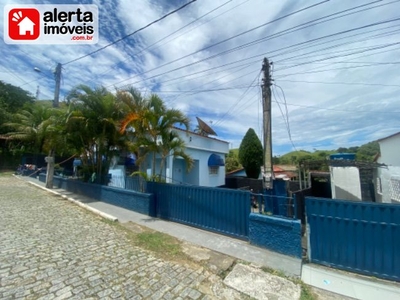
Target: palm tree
[
  {"x": 92, "y": 126},
  {"x": 172, "y": 144},
  {"x": 160, "y": 122},
  {"x": 35, "y": 127},
  {"x": 134, "y": 122},
  {"x": 151, "y": 122}
]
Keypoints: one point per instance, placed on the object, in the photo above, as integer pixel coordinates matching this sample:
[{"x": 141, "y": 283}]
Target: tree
[
  {"x": 134, "y": 122},
  {"x": 232, "y": 161},
  {"x": 172, "y": 144},
  {"x": 367, "y": 151},
  {"x": 251, "y": 154},
  {"x": 92, "y": 127},
  {"x": 152, "y": 122},
  {"x": 13, "y": 98},
  {"x": 34, "y": 129}
]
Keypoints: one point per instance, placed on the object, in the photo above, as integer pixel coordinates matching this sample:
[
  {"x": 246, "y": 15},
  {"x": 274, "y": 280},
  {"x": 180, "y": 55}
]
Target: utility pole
[
  {"x": 51, "y": 158},
  {"x": 57, "y": 76},
  {"x": 268, "y": 174}
]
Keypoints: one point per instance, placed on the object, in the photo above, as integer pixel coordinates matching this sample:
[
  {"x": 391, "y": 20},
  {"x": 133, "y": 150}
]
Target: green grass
[
  {"x": 159, "y": 243},
  {"x": 306, "y": 293}
]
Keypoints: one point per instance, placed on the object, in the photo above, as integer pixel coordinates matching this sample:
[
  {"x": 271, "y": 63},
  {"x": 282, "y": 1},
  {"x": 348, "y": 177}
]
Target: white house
[
  {"x": 208, "y": 168},
  {"x": 387, "y": 178},
  {"x": 209, "y": 161},
  {"x": 25, "y": 26}
]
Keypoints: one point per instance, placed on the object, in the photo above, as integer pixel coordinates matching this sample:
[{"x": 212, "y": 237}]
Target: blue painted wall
[
  {"x": 140, "y": 202},
  {"x": 276, "y": 234}
]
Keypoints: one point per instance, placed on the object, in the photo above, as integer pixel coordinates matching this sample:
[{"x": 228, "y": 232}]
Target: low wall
[
  {"x": 276, "y": 234},
  {"x": 140, "y": 202}
]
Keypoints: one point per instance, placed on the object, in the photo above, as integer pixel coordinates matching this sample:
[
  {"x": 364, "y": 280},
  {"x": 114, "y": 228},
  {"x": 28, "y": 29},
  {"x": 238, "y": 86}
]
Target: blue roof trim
[{"x": 215, "y": 161}]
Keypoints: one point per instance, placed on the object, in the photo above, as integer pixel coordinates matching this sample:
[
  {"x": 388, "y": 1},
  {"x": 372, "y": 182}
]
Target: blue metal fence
[
  {"x": 136, "y": 183},
  {"x": 356, "y": 236},
  {"x": 215, "y": 209}
]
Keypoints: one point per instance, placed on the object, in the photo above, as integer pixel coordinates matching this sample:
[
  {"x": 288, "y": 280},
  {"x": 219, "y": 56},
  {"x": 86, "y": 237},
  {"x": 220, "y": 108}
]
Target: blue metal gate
[
  {"x": 360, "y": 237},
  {"x": 215, "y": 209}
]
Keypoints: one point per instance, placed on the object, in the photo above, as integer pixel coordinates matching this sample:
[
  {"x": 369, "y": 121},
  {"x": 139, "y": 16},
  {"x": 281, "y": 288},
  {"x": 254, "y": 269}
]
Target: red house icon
[{"x": 24, "y": 24}]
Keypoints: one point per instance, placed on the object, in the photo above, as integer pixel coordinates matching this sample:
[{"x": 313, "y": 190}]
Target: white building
[
  {"x": 387, "y": 179},
  {"x": 208, "y": 155}
]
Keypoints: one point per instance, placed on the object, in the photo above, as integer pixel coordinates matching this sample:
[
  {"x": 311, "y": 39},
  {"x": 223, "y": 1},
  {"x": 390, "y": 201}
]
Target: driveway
[{"x": 52, "y": 249}]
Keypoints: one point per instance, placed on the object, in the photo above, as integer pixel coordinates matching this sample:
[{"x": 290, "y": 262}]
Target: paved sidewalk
[{"x": 350, "y": 285}]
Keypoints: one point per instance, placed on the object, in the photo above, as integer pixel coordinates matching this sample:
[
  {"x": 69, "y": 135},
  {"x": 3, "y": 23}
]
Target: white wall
[
  {"x": 199, "y": 148},
  {"x": 345, "y": 183},
  {"x": 205, "y": 179},
  {"x": 390, "y": 156},
  {"x": 195, "y": 141},
  {"x": 390, "y": 151},
  {"x": 386, "y": 174}
]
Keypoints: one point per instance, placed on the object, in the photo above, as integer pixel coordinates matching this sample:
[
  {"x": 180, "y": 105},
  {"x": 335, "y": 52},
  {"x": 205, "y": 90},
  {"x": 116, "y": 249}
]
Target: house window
[
  {"x": 213, "y": 170},
  {"x": 379, "y": 185},
  {"x": 395, "y": 189}
]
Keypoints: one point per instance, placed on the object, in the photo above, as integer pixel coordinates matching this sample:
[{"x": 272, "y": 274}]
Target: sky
[{"x": 334, "y": 65}]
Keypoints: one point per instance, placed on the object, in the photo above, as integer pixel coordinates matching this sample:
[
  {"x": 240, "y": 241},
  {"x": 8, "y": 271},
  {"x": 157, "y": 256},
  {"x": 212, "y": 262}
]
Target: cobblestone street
[{"x": 52, "y": 249}]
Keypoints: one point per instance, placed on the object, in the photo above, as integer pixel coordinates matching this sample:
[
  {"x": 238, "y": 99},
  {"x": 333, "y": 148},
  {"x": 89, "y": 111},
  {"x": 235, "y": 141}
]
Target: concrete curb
[{"x": 83, "y": 205}]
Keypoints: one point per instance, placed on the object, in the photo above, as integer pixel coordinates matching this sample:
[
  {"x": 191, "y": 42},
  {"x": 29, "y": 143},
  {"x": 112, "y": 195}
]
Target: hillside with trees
[{"x": 365, "y": 153}]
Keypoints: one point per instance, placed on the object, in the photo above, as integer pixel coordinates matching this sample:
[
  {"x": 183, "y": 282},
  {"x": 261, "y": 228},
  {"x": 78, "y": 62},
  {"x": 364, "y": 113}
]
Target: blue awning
[{"x": 215, "y": 161}]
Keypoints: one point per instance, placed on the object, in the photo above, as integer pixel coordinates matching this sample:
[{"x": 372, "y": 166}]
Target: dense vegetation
[
  {"x": 94, "y": 124},
  {"x": 364, "y": 152},
  {"x": 315, "y": 160}
]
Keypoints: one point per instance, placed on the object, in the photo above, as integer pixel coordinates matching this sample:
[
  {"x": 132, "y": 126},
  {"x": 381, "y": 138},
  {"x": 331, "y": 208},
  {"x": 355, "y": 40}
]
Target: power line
[
  {"x": 342, "y": 110},
  {"x": 240, "y": 99},
  {"x": 171, "y": 34},
  {"x": 206, "y": 22},
  {"x": 286, "y": 31},
  {"x": 304, "y": 55},
  {"x": 332, "y": 69},
  {"x": 343, "y": 83},
  {"x": 337, "y": 56},
  {"x": 136, "y": 31},
  {"x": 258, "y": 55},
  {"x": 287, "y": 123},
  {"x": 299, "y": 27},
  {"x": 213, "y": 68},
  {"x": 239, "y": 87},
  {"x": 227, "y": 39},
  {"x": 216, "y": 79},
  {"x": 254, "y": 56},
  {"x": 13, "y": 74},
  {"x": 349, "y": 61}
]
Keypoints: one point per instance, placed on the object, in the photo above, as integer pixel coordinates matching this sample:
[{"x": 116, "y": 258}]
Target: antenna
[{"x": 204, "y": 129}]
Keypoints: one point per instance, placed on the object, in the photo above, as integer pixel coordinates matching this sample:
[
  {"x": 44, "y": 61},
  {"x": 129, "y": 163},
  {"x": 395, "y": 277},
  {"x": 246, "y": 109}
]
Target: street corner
[{"x": 261, "y": 285}]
